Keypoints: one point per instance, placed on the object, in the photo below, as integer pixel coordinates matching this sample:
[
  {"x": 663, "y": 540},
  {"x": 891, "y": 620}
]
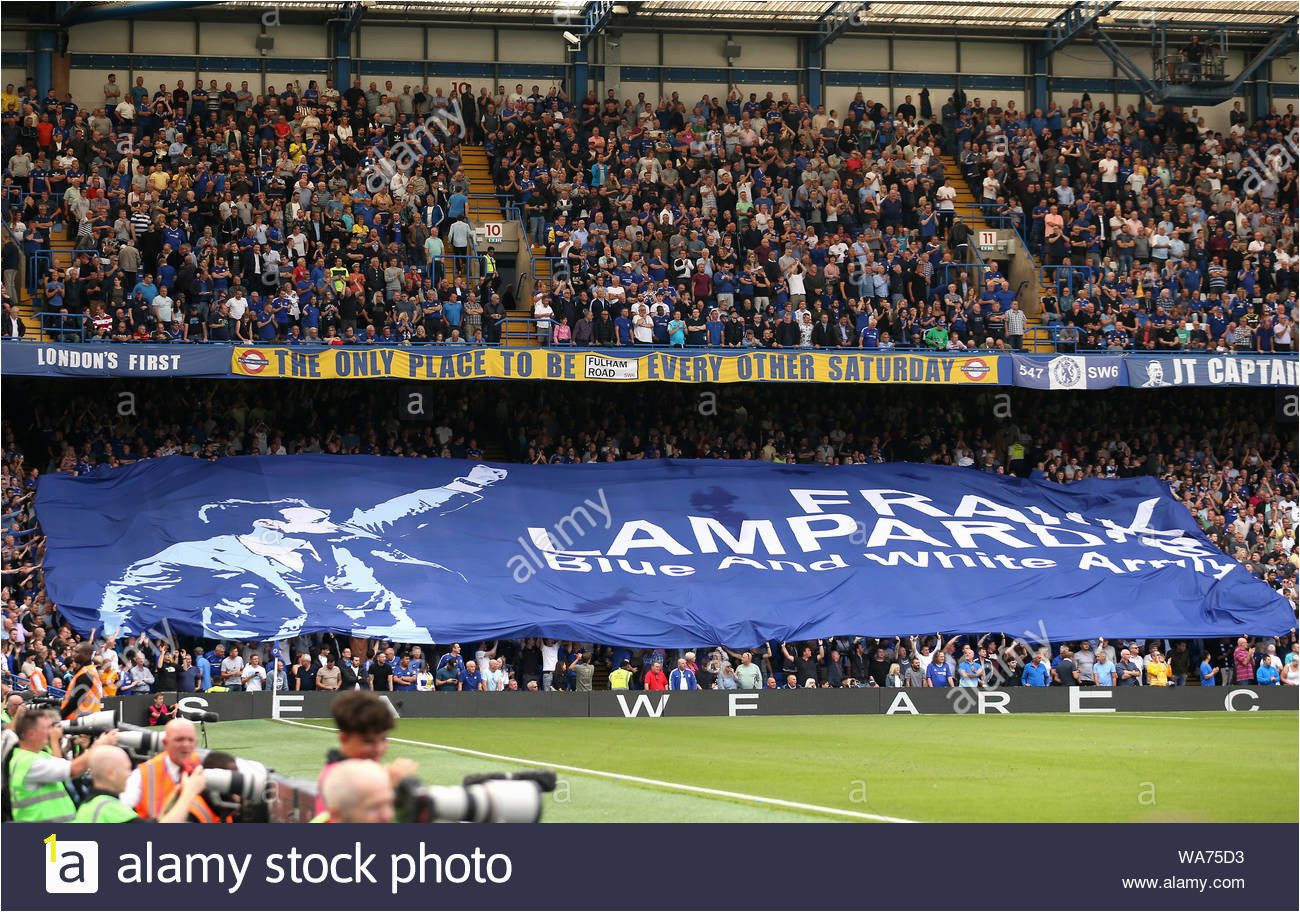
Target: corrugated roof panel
[{"x": 1015, "y": 14}]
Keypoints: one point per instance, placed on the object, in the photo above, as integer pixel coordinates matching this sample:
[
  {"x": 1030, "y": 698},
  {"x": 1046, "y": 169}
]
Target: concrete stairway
[
  {"x": 969, "y": 211},
  {"x": 28, "y": 306}
]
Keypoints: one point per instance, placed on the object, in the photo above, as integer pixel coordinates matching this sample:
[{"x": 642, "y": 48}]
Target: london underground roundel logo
[
  {"x": 254, "y": 362},
  {"x": 975, "y": 369}
]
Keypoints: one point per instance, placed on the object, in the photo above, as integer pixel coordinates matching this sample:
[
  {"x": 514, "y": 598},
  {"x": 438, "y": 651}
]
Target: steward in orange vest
[{"x": 85, "y": 692}]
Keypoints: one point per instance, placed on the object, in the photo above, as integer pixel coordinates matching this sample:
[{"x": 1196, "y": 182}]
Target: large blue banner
[
  {"x": 1218, "y": 370},
  {"x": 661, "y": 553}
]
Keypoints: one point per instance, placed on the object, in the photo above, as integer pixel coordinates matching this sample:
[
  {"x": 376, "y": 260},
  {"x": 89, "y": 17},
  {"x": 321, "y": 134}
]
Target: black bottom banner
[{"x": 650, "y": 866}]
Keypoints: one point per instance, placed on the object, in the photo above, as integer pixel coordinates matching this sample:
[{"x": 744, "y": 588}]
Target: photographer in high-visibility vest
[
  {"x": 13, "y": 707},
  {"x": 152, "y": 782},
  {"x": 85, "y": 692},
  {"x": 110, "y": 767},
  {"x": 35, "y": 772}
]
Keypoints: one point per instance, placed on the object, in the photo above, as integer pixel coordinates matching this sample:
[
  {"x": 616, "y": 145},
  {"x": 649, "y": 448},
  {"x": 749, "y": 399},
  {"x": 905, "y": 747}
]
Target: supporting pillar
[
  {"x": 813, "y": 67},
  {"x": 45, "y": 44},
  {"x": 1038, "y": 55},
  {"x": 1258, "y": 100},
  {"x": 580, "y": 73},
  {"x": 342, "y": 58}
]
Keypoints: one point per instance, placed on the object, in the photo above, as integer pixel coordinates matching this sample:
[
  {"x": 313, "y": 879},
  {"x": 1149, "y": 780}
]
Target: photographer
[
  {"x": 153, "y": 782},
  {"x": 110, "y": 767},
  {"x": 356, "y": 791},
  {"x": 159, "y": 712},
  {"x": 364, "y": 721},
  {"x": 13, "y": 707},
  {"x": 85, "y": 693},
  {"x": 35, "y": 771}
]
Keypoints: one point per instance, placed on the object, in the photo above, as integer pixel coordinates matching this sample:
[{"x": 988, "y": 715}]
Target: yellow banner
[{"x": 396, "y": 363}]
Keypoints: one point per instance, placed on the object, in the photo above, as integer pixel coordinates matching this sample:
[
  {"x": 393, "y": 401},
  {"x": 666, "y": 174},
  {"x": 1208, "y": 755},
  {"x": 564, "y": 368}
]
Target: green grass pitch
[{"x": 1239, "y": 767}]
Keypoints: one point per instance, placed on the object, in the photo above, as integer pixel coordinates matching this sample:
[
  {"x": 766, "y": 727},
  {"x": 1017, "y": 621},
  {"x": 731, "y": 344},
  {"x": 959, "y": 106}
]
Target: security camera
[{"x": 572, "y": 38}]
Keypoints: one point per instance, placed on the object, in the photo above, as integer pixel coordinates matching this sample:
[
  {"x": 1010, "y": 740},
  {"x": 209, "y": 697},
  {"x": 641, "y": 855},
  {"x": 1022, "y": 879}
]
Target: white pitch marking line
[
  {"x": 1122, "y": 715},
  {"x": 657, "y": 783}
]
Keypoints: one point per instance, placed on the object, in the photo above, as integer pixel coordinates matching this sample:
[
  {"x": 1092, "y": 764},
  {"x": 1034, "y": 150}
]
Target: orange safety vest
[
  {"x": 37, "y": 682},
  {"x": 93, "y": 701},
  {"x": 156, "y": 786},
  {"x": 109, "y": 682}
]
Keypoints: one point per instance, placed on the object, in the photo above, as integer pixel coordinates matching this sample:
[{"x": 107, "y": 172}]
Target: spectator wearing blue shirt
[
  {"x": 623, "y": 328},
  {"x": 456, "y": 204},
  {"x": 470, "y": 678},
  {"x": 714, "y": 328},
  {"x": 310, "y": 317},
  {"x": 453, "y": 310},
  {"x": 404, "y": 674},
  {"x": 682, "y": 677},
  {"x": 971, "y": 670},
  {"x": 1104, "y": 669},
  {"x": 204, "y": 665},
  {"x": 453, "y": 658},
  {"x": 1267, "y": 675},
  {"x": 1036, "y": 673},
  {"x": 938, "y": 674},
  {"x": 1209, "y": 674},
  {"x": 147, "y": 289}
]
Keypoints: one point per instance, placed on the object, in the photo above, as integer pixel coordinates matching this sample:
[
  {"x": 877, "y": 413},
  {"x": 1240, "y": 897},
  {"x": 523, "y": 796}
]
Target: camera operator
[
  {"x": 35, "y": 772},
  {"x": 85, "y": 692},
  {"x": 364, "y": 721},
  {"x": 110, "y": 767},
  {"x": 153, "y": 782},
  {"x": 357, "y": 791}
]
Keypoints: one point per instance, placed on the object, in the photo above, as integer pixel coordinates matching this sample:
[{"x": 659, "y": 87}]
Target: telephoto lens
[
  {"x": 95, "y": 723},
  {"x": 248, "y": 782},
  {"x": 544, "y": 778},
  {"x": 140, "y": 742},
  {"x": 494, "y": 801}
]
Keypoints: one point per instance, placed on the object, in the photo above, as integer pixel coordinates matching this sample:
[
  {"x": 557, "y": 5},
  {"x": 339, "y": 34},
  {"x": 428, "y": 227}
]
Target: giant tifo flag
[{"x": 658, "y": 553}]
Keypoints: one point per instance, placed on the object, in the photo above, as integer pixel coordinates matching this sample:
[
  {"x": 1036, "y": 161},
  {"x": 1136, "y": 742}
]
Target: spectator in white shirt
[{"x": 253, "y": 676}]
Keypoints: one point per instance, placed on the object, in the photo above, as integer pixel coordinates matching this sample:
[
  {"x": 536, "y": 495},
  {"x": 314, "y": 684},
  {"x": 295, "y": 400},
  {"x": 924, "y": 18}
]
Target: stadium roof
[{"x": 1022, "y": 17}]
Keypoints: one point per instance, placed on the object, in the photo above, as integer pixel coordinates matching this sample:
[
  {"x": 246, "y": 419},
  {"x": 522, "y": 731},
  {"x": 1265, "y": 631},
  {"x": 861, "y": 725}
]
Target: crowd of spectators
[
  {"x": 696, "y": 222},
  {"x": 1158, "y": 233},
  {"x": 226, "y": 215},
  {"x": 1220, "y": 452},
  {"x": 220, "y": 215}
]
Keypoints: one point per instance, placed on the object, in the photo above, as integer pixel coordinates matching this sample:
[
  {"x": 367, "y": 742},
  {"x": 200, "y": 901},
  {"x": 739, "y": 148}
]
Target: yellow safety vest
[{"x": 48, "y": 802}]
